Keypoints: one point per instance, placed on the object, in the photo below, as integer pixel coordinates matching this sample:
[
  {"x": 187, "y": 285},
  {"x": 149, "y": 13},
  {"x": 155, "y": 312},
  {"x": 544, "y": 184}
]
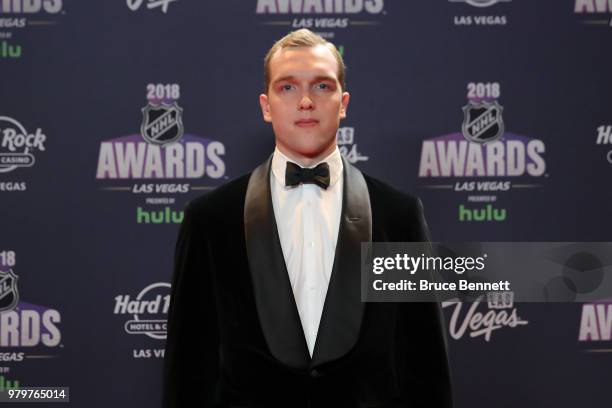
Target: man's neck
[{"x": 306, "y": 161}]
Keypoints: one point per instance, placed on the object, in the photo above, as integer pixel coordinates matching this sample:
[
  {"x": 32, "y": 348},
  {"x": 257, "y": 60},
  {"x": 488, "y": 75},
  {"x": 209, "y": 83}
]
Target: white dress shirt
[{"x": 308, "y": 218}]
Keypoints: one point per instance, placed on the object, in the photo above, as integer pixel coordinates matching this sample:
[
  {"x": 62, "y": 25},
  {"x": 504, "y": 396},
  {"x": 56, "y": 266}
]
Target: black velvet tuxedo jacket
[{"x": 234, "y": 334}]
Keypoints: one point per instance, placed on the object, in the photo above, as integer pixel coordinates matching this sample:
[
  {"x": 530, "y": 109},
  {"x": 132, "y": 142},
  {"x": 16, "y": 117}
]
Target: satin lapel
[
  {"x": 278, "y": 314},
  {"x": 343, "y": 310}
]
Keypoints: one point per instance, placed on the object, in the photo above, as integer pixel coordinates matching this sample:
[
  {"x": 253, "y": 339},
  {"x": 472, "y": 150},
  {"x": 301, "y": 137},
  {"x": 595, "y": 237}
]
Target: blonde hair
[{"x": 303, "y": 38}]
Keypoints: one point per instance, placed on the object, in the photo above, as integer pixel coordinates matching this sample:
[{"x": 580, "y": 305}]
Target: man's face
[{"x": 304, "y": 102}]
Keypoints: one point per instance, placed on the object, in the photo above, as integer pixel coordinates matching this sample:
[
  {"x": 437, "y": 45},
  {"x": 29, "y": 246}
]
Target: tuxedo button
[{"x": 315, "y": 374}]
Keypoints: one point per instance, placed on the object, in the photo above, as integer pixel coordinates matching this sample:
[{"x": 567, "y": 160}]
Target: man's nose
[{"x": 306, "y": 103}]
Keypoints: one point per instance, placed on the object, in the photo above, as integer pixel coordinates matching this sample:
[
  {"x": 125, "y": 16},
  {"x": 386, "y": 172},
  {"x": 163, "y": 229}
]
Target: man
[{"x": 266, "y": 308}]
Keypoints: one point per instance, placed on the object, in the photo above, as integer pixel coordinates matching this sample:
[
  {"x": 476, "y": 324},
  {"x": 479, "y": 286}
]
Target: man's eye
[
  {"x": 322, "y": 86},
  {"x": 286, "y": 87}
]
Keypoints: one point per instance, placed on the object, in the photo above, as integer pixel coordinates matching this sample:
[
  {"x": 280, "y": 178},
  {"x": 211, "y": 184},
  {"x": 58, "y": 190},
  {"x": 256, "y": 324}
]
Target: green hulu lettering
[
  {"x": 464, "y": 214},
  {"x": 142, "y": 216},
  {"x": 8, "y": 385},
  {"x": 15, "y": 53},
  {"x": 157, "y": 217},
  {"x": 479, "y": 215},
  {"x": 9, "y": 51},
  {"x": 501, "y": 216},
  {"x": 165, "y": 216},
  {"x": 488, "y": 213},
  {"x": 177, "y": 218}
]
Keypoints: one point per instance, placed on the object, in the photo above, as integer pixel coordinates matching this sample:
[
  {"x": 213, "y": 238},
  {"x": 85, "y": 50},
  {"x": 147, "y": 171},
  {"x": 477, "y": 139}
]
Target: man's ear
[
  {"x": 265, "y": 108},
  {"x": 345, "y": 100}
]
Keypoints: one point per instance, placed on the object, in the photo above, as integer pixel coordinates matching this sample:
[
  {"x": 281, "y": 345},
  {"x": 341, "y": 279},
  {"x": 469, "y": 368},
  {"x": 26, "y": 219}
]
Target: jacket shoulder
[
  {"x": 220, "y": 201},
  {"x": 398, "y": 213},
  {"x": 390, "y": 196}
]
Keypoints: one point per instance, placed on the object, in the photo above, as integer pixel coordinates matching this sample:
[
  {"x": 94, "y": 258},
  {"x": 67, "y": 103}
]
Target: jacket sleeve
[
  {"x": 426, "y": 373},
  {"x": 191, "y": 363}
]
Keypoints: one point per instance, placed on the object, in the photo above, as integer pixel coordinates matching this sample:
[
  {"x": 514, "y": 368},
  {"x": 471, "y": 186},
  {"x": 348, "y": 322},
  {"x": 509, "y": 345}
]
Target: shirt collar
[{"x": 334, "y": 161}]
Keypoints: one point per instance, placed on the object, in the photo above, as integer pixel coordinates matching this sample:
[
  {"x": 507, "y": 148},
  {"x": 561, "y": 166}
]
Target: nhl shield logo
[
  {"x": 162, "y": 124},
  {"x": 482, "y": 121},
  {"x": 9, "y": 296}
]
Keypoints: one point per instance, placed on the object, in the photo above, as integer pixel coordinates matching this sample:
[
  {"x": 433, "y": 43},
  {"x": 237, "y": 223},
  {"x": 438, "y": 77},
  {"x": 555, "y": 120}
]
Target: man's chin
[{"x": 308, "y": 152}]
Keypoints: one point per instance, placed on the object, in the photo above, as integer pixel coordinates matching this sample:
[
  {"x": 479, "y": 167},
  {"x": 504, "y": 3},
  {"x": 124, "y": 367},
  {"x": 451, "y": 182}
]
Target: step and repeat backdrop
[{"x": 114, "y": 114}]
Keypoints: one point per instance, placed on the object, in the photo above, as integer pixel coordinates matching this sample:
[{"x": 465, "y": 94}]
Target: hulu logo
[
  {"x": 8, "y": 385},
  {"x": 165, "y": 216},
  {"x": 488, "y": 213},
  {"x": 9, "y": 51}
]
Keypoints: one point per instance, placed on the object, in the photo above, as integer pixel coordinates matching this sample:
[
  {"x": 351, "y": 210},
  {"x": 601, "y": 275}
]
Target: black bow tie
[{"x": 296, "y": 175}]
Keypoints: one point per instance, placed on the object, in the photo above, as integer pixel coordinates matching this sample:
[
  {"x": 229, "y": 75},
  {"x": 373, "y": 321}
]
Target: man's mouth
[{"x": 306, "y": 122}]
